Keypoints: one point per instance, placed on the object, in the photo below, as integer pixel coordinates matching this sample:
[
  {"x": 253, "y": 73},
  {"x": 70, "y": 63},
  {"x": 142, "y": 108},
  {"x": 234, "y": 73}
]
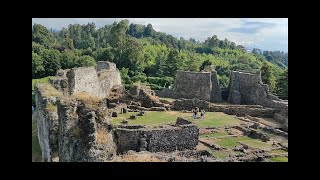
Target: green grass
[
  {"x": 231, "y": 142},
  {"x": 152, "y": 118},
  {"x": 44, "y": 80},
  {"x": 279, "y": 159},
  {"x": 36, "y": 151},
  {"x": 279, "y": 151},
  {"x": 256, "y": 143},
  {"x": 220, "y": 154},
  {"x": 212, "y": 119},
  {"x": 218, "y": 134}
]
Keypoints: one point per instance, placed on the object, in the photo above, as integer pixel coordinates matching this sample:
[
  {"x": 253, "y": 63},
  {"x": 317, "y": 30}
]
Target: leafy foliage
[{"x": 145, "y": 55}]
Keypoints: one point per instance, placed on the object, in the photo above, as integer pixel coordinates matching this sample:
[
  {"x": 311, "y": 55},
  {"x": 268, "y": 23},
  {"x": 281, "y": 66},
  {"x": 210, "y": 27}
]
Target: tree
[
  {"x": 118, "y": 39},
  {"x": 85, "y": 61},
  {"x": 267, "y": 76},
  {"x": 282, "y": 85},
  {"x": 37, "y": 66},
  {"x": 149, "y": 31},
  {"x": 51, "y": 61},
  {"x": 42, "y": 35}
]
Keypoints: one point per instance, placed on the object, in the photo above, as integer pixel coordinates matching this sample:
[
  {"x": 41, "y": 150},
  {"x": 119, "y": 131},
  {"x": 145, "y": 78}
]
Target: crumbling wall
[
  {"x": 84, "y": 79},
  {"x": 247, "y": 88},
  {"x": 94, "y": 80},
  {"x": 85, "y": 134},
  {"x": 199, "y": 85},
  {"x": 239, "y": 110},
  {"x": 60, "y": 81},
  {"x": 47, "y": 120},
  {"x": 145, "y": 96},
  {"x": 193, "y": 84},
  {"x": 165, "y": 139},
  {"x": 215, "y": 89}
]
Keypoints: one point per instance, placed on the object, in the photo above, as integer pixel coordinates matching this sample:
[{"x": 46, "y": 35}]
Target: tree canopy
[{"x": 146, "y": 55}]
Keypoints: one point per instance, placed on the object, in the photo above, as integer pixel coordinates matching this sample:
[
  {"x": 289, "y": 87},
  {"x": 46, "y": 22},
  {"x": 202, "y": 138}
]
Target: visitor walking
[
  {"x": 202, "y": 113},
  {"x": 194, "y": 115}
]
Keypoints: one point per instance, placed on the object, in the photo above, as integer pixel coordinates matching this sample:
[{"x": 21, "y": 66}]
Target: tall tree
[
  {"x": 42, "y": 35},
  {"x": 267, "y": 76},
  {"x": 282, "y": 85},
  {"x": 119, "y": 38}
]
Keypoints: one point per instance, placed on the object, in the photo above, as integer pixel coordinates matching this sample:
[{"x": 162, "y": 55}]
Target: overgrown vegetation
[
  {"x": 212, "y": 119},
  {"x": 145, "y": 55},
  {"x": 44, "y": 80}
]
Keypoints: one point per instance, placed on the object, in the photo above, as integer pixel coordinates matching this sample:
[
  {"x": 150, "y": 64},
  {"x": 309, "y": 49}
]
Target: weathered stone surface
[
  {"x": 145, "y": 96},
  {"x": 84, "y": 134},
  {"x": 239, "y": 110},
  {"x": 199, "y": 85},
  {"x": 88, "y": 79},
  {"x": 247, "y": 88},
  {"x": 182, "y": 121},
  {"x": 215, "y": 88},
  {"x": 47, "y": 120},
  {"x": 167, "y": 138}
]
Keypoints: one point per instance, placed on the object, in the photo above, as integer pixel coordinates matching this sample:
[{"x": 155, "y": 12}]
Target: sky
[{"x": 263, "y": 33}]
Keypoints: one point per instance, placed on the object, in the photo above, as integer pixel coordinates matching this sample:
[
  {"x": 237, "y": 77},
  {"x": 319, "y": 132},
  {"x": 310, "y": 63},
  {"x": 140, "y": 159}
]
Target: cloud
[{"x": 264, "y": 33}]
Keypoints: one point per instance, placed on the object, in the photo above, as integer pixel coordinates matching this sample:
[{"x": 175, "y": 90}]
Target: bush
[{"x": 160, "y": 81}]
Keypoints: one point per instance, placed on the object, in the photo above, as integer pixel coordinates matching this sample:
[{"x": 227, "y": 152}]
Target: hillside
[{"x": 145, "y": 55}]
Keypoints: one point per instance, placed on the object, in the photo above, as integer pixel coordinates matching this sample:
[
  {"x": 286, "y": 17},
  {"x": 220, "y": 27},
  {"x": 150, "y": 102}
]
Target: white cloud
[{"x": 264, "y": 33}]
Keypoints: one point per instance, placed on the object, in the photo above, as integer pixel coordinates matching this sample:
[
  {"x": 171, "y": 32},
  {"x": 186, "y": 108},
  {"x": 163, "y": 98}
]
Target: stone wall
[
  {"x": 199, "y": 85},
  {"x": 239, "y": 110},
  {"x": 166, "y": 138},
  {"x": 84, "y": 79},
  {"x": 193, "y": 84},
  {"x": 85, "y": 134},
  {"x": 247, "y": 88},
  {"x": 95, "y": 80},
  {"x": 215, "y": 88},
  {"x": 47, "y": 120}
]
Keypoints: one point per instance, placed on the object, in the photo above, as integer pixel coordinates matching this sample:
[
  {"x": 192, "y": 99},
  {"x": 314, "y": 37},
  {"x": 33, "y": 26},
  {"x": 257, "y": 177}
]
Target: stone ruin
[
  {"x": 199, "y": 85},
  {"x": 181, "y": 136},
  {"x": 73, "y": 111},
  {"x": 247, "y": 88},
  {"x": 98, "y": 81},
  {"x": 73, "y": 117}
]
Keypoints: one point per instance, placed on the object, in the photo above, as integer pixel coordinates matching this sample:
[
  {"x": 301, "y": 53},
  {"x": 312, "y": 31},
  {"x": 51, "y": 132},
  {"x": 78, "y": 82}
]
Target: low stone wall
[
  {"x": 239, "y": 110},
  {"x": 166, "y": 138}
]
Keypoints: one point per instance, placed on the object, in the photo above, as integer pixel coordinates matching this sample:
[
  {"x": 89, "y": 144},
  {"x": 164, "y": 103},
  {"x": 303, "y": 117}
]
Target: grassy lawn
[
  {"x": 36, "y": 151},
  {"x": 279, "y": 151},
  {"x": 212, "y": 119},
  {"x": 220, "y": 154},
  {"x": 218, "y": 134},
  {"x": 232, "y": 142},
  {"x": 256, "y": 143},
  {"x": 279, "y": 159}
]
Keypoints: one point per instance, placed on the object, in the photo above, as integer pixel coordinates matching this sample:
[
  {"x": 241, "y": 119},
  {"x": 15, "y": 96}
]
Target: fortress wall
[
  {"x": 193, "y": 84},
  {"x": 47, "y": 120},
  {"x": 164, "y": 139}
]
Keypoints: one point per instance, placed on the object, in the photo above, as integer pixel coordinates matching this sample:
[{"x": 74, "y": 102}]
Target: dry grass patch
[
  {"x": 138, "y": 158},
  {"x": 48, "y": 90},
  {"x": 51, "y": 108},
  {"x": 102, "y": 136},
  {"x": 88, "y": 99}
]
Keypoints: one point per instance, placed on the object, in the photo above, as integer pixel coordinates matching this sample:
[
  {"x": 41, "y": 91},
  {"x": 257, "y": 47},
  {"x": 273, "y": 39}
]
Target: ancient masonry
[
  {"x": 73, "y": 118},
  {"x": 247, "y": 88},
  {"x": 73, "y": 111},
  {"x": 98, "y": 81},
  {"x": 199, "y": 85}
]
